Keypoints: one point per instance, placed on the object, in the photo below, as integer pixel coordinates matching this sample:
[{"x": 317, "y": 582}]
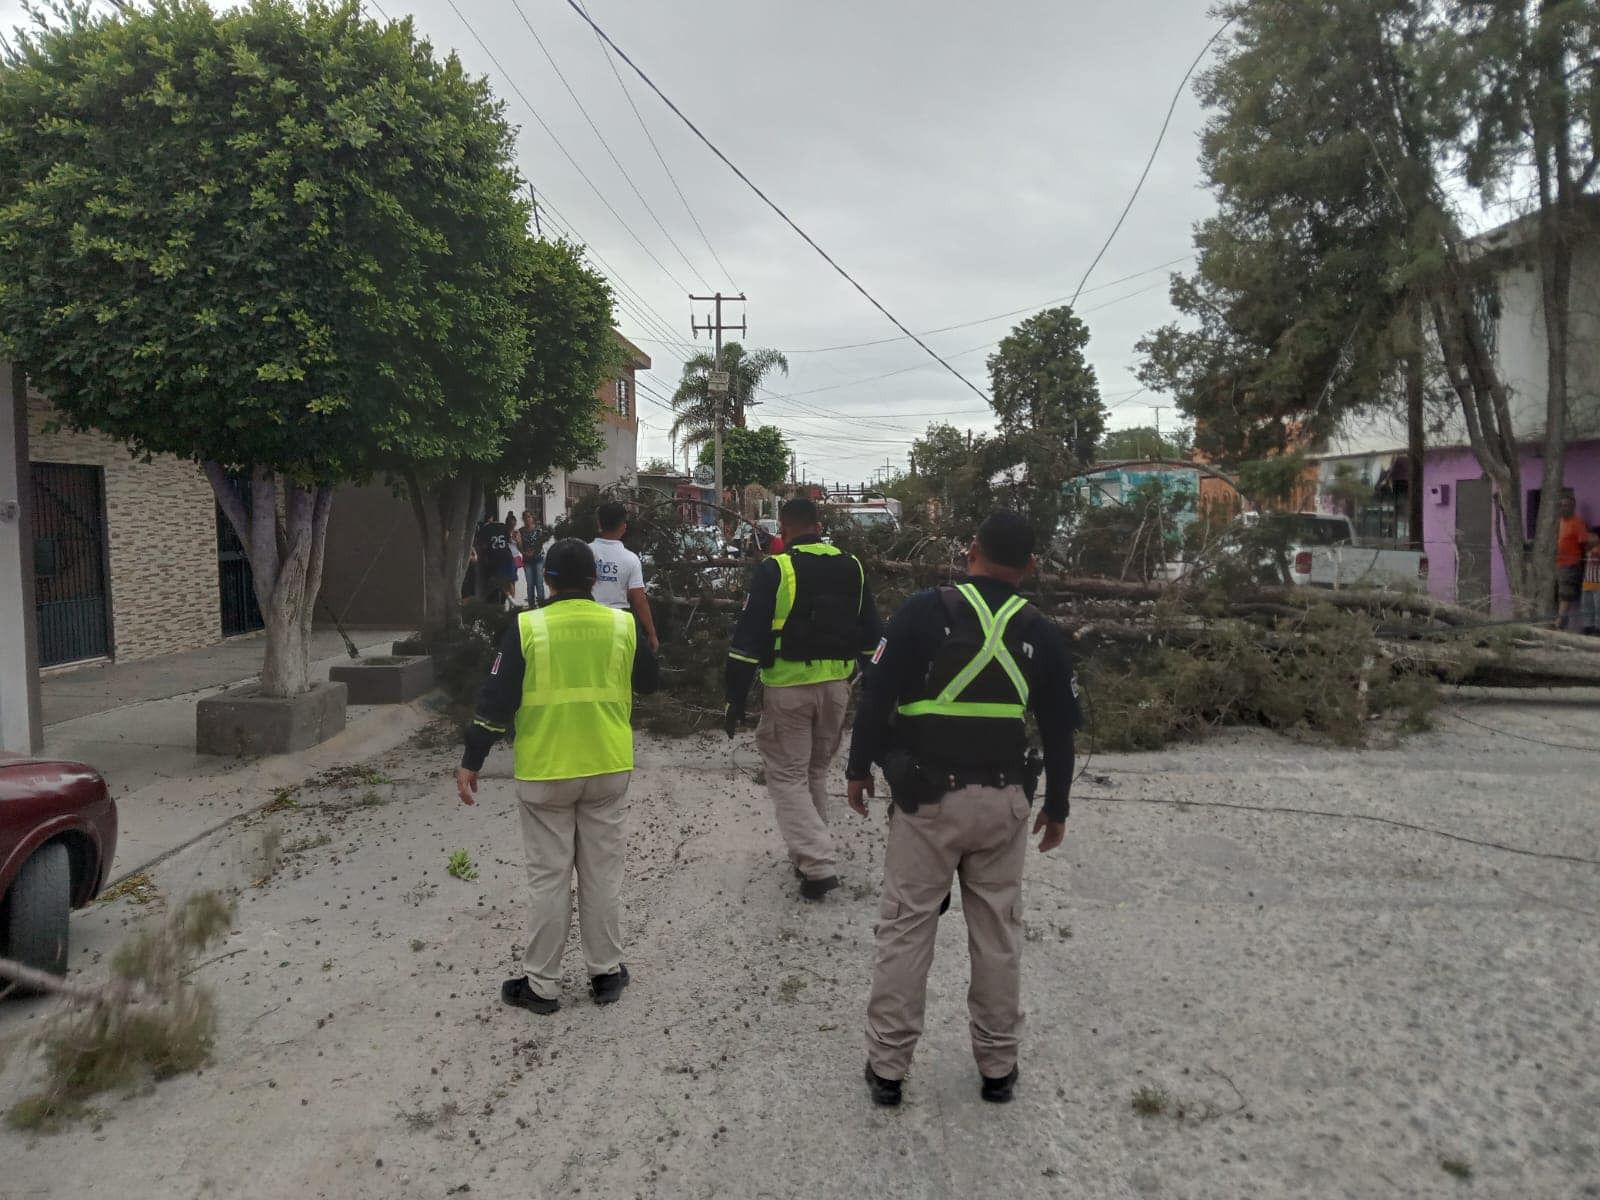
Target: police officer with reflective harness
[
  {"x": 943, "y": 713},
  {"x": 808, "y": 620}
]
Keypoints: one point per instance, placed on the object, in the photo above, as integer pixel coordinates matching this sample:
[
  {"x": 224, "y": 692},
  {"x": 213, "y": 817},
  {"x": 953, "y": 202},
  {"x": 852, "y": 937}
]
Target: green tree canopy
[
  {"x": 1047, "y": 401},
  {"x": 272, "y": 239},
  {"x": 1142, "y": 441},
  {"x": 759, "y": 456}
]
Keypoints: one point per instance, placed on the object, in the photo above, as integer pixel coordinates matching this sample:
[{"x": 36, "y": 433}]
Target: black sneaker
[
  {"x": 816, "y": 889},
  {"x": 518, "y": 994},
  {"x": 607, "y": 989},
  {"x": 885, "y": 1092},
  {"x": 998, "y": 1091}
]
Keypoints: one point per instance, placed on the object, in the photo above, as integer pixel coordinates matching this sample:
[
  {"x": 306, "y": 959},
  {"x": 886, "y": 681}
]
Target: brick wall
[{"x": 162, "y": 541}]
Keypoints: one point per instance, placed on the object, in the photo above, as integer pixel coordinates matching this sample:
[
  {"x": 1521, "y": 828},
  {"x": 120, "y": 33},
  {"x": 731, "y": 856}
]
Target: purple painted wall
[{"x": 1449, "y": 468}]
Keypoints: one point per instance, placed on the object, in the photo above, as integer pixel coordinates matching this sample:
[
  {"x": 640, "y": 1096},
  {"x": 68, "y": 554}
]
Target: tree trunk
[
  {"x": 1549, "y": 109},
  {"x": 1415, "y": 450},
  {"x": 446, "y": 512},
  {"x": 285, "y": 548}
]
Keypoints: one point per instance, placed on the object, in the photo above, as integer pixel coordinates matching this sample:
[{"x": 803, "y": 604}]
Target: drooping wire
[
  {"x": 661, "y": 158},
  {"x": 554, "y": 66},
  {"x": 787, "y": 220},
  {"x": 528, "y": 104},
  {"x": 1149, "y": 162}
]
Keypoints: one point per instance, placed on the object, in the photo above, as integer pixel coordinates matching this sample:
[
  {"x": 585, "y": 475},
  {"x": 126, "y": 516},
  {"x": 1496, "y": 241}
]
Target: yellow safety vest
[
  {"x": 785, "y": 672},
  {"x": 577, "y": 691}
]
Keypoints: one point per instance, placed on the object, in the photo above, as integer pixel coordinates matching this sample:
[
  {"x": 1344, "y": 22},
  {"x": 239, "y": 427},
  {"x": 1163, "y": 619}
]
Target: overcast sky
[{"x": 961, "y": 160}]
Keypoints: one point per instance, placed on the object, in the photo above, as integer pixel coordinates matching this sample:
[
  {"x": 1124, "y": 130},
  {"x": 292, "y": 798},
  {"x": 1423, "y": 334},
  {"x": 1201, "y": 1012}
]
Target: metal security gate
[
  {"x": 69, "y": 563},
  {"x": 240, "y": 611}
]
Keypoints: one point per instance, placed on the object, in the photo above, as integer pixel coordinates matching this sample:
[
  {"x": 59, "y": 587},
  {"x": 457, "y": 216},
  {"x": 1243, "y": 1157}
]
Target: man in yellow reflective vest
[
  {"x": 566, "y": 674},
  {"x": 808, "y": 622}
]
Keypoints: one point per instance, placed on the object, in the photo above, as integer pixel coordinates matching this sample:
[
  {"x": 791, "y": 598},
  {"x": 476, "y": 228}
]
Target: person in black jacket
[
  {"x": 807, "y": 623},
  {"x": 943, "y": 712}
]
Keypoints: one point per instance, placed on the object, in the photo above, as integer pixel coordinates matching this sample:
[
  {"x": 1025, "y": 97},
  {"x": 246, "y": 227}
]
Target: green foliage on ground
[{"x": 146, "y": 1023}]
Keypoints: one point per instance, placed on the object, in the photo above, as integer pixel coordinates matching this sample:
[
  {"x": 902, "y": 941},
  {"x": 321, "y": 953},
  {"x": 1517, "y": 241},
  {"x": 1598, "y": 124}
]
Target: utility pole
[
  {"x": 1161, "y": 493},
  {"x": 716, "y": 328},
  {"x": 533, "y": 198}
]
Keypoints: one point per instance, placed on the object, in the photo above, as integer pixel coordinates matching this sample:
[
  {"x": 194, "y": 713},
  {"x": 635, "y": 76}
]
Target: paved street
[{"x": 1324, "y": 1006}]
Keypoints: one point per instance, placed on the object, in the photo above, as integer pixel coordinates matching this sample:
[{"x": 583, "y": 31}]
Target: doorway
[
  {"x": 1474, "y": 543},
  {"x": 69, "y": 563}
]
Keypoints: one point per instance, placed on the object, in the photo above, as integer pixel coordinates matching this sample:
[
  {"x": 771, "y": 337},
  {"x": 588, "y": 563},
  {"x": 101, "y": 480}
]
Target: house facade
[
  {"x": 619, "y": 458},
  {"x": 1364, "y": 467}
]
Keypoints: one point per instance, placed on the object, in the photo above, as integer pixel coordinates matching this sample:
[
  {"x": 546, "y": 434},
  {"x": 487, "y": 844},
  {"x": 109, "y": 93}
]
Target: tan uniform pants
[
  {"x": 981, "y": 835},
  {"x": 570, "y": 823},
  {"x": 801, "y": 728}
]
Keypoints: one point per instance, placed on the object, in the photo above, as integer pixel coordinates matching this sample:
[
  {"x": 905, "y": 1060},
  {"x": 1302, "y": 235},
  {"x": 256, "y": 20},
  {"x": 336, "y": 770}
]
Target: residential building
[
  {"x": 619, "y": 459},
  {"x": 1460, "y": 523}
]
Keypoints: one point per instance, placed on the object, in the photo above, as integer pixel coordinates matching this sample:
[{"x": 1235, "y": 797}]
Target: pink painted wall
[{"x": 1581, "y": 473}]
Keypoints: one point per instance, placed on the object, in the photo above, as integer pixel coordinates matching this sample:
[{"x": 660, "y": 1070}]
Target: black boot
[
  {"x": 607, "y": 989},
  {"x": 816, "y": 889},
  {"x": 518, "y": 994},
  {"x": 885, "y": 1092},
  {"x": 998, "y": 1091}
]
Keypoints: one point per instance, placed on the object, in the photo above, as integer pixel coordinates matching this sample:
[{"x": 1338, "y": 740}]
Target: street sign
[
  {"x": 718, "y": 382},
  {"x": 705, "y": 475}
]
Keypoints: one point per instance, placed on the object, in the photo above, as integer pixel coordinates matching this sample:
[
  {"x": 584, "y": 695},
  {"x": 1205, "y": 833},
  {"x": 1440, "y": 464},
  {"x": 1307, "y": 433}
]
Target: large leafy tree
[
  {"x": 752, "y": 456},
  {"x": 1047, "y": 403},
  {"x": 950, "y": 472},
  {"x": 1143, "y": 441},
  {"x": 1337, "y": 273},
  {"x": 564, "y": 308},
  {"x": 697, "y": 406},
  {"x": 275, "y": 240}
]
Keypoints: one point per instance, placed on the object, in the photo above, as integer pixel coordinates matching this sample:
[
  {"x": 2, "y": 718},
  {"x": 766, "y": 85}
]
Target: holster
[
  {"x": 908, "y": 783},
  {"x": 1032, "y": 771}
]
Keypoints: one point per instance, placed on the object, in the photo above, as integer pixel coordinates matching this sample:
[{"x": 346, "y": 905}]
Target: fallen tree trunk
[{"x": 1520, "y": 669}]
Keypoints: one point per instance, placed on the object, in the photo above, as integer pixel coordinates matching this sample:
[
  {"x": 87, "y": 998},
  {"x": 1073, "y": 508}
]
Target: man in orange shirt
[{"x": 1571, "y": 541}]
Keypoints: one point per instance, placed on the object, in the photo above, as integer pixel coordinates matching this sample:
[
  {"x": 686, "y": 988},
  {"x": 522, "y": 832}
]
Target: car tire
[{"x": 38, "y": 910}]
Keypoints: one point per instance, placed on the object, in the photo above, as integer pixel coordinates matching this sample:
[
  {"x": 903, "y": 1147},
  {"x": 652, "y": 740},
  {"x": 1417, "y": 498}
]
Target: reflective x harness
[{"x": 948, "y": 703}]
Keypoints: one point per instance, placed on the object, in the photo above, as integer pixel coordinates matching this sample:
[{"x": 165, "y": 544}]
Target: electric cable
[
  {"x": 826, "y": 257},
  {"x": 528, "y": 104},
  {"x": 1149, "y": 162},
  {"x": 649, "y": 137},
  {"x": 554, "y": 66}
]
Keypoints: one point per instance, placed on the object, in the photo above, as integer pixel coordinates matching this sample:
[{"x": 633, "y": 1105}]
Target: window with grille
[{"x": 624, "y": 397}]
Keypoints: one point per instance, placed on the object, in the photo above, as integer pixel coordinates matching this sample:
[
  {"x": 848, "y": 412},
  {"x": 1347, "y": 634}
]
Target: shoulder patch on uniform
[
  {"x": 883, "y": 644},
  {"x": 1027, "y": 649},
  {"x": 495, "y": 669}
]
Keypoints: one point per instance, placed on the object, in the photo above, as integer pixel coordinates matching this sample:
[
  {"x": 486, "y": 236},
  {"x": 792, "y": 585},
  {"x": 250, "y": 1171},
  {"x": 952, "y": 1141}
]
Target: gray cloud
[{"x": 960, "y": 159}]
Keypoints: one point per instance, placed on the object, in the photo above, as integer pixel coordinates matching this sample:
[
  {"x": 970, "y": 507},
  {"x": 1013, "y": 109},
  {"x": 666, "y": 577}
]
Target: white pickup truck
[{"x": 1324, "y": 552}]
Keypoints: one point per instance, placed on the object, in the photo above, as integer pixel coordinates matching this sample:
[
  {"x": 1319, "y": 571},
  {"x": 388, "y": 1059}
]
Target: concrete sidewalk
[
  {"x": 73, "y": 692},
  {"x": 135, "y": 724}
]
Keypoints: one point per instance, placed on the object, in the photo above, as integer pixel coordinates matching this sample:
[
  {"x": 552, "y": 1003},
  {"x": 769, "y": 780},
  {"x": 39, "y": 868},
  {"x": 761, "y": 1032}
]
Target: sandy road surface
[{"x": 1338, "y": 1006}]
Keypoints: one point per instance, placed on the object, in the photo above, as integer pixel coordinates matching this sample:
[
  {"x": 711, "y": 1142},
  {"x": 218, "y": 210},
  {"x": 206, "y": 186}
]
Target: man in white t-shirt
[{"x": 619, "y": 579}]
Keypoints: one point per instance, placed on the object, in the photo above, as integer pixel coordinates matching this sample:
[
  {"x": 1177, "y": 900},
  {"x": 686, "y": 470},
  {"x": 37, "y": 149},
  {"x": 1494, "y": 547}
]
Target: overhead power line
[
  {"x": 554, "y": 66},
  {"x": 1099, "y": 287},
  {"x": 661, "y": 158},
  {"x": 1177, "y": 95},
  {"x": 528, "y": 104},
  {"x": 789, "y": 221}
]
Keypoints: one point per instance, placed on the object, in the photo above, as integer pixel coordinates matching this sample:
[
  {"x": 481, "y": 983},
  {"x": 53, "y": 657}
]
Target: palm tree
[{"x": 697, "y": 407}]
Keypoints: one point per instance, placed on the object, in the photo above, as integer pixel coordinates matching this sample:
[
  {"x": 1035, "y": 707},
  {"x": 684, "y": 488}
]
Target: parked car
[
  {"x": 58, "y": 834},
  {"x": 1325, "y": 552}
]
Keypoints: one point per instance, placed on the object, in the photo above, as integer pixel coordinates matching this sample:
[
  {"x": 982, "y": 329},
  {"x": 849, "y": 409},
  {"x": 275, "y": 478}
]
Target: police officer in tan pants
[
  {"x": 944, "y": 714},
  {"x": 808, "y": 620}
]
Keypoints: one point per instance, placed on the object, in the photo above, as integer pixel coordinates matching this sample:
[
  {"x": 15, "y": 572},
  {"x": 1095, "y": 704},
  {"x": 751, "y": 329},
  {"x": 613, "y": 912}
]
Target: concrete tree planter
[
  {"x": 396, "y": 680},
  {"x": 243, "y": 722}
]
